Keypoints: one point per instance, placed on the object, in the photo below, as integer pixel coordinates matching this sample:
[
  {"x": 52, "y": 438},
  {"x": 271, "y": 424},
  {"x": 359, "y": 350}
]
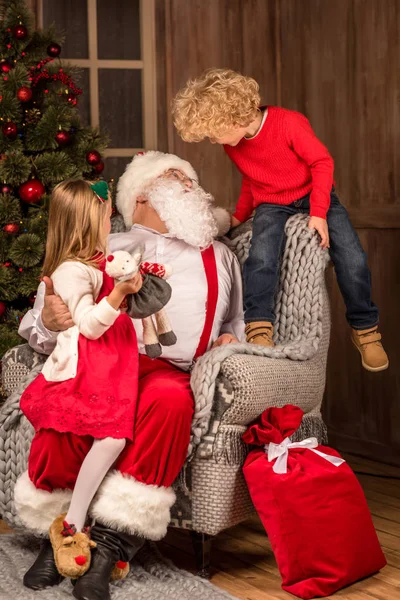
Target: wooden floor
[{"x": 243, "y": 563}]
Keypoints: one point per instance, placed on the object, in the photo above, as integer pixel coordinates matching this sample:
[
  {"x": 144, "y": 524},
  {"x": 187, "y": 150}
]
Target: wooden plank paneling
[
  {"x": 362, "y": 409},
  {"x": 338, "y": 63},
  {"x": 202, "y": 34}
]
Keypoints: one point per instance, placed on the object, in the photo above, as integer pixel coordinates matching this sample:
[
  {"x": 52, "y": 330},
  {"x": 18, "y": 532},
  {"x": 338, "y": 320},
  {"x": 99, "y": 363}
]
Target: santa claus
[{"x": 172, "y": 219}]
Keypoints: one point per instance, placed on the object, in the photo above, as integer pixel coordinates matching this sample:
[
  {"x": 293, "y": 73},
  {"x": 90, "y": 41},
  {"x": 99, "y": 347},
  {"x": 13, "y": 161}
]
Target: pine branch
[
  {"x": 5, "y": 243},
  {"x": 18, "y": 77},
  {"x": 27, "y": 250},
  {"x": 8, "y": 288},
  {"x": 15, "y": 168},
  {"x": 8, "y": 146},
  {"x": 42, "y": 136},
  {"x": 10, "y": 209},
  {"x": 10, "y": 108},
  {"x": 38, "y": 225},
  {"x": 54, "y": 167},
  {"x": 28, "y": 281},
  {"x": 9, "y": 338},
  {"x": 17, "y": 11}
]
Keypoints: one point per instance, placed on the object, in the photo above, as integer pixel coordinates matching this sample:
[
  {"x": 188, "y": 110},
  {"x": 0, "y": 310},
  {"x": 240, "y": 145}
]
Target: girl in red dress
[{"x": 89, "y": 384}]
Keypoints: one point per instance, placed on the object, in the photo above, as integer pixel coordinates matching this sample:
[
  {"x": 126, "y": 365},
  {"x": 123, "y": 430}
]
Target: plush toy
[{"x": 150, "y": 300}]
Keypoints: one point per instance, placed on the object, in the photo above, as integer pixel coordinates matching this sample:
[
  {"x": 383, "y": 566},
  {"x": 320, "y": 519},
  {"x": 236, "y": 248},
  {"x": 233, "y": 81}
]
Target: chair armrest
[
  {"x": 16, "y": 364},
  {"x": 256, "y": 383},
  {"x": 246, "y": 386}
]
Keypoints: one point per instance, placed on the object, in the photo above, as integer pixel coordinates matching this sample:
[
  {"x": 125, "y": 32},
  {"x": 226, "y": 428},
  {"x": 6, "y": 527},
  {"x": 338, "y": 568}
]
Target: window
[{"x": 114, "y": 45}]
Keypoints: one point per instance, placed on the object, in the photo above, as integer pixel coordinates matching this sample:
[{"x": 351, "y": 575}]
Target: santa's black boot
[
  {"x": 112, "y": 546},
  {"x": 43, "y": 573}
]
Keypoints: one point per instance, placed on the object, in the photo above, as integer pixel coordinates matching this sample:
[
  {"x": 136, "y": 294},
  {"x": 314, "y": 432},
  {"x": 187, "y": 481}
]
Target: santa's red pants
[{"x": 137, "y": 495}]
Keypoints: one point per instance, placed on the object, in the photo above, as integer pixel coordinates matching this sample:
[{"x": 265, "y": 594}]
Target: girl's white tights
[{"x": 95, "y": 467}]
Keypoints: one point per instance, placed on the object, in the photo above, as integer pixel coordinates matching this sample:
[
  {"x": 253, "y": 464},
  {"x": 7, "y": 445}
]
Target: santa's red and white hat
[{"x": 141, "y": 171}]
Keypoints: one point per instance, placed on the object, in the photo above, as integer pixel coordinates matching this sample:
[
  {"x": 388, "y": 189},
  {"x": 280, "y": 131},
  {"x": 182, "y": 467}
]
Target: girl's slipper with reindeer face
[{"x": 72, "y": 549}]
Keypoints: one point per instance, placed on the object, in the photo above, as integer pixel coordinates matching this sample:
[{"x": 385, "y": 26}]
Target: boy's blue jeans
[{"x": 262, "y": 267}]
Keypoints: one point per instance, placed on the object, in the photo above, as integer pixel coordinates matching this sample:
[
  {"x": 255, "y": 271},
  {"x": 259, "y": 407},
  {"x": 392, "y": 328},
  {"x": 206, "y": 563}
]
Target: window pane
[
  {"x": 118, "y": 29},
  {"x": 84, "y": 99},
  {"x": 70, "y": 17},
  {"x": 120, "y": 92},
  {"x": 115, "y": 166}
]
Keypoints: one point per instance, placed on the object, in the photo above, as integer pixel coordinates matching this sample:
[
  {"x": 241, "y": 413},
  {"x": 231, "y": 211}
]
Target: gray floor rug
[{"x": 152, "y": 577}]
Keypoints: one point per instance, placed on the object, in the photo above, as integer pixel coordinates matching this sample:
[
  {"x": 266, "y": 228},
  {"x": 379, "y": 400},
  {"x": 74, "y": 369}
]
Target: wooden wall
[{"x": 338, "y": 62}]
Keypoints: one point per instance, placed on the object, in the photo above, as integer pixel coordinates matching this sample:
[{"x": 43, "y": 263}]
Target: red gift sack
[{"x": 313, "y": 510}]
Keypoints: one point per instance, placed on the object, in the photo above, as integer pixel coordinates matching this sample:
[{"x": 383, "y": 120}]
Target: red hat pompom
[{"x": 110, "y": 258}]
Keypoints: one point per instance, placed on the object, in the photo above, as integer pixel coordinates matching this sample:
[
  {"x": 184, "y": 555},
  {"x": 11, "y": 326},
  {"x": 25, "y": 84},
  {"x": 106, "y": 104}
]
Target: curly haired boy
[{"x": 286, "y": 170}]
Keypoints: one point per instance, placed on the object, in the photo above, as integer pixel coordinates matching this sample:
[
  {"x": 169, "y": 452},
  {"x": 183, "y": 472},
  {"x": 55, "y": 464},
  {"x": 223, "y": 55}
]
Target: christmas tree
[{"x": 42, "y": 142}]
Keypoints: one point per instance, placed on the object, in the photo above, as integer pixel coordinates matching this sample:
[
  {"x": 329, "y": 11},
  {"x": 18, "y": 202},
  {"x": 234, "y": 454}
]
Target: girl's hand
[
  {"x": 321, "y": 226},
  {"x": 121, "y": 290},
  {"x": 132, "y": 286}
]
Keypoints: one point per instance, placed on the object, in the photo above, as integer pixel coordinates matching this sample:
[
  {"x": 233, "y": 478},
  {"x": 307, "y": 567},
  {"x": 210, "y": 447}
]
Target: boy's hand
[
  {"x": 321, "y": 226},
  {"x": 234, "y": 221}
]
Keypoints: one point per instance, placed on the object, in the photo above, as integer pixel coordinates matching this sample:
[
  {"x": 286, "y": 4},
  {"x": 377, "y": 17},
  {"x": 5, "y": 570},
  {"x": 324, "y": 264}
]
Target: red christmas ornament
[
  {"x": 5, "y": 66},
  {"x": 2, "y": 308},
  {"x": 31, "y": 191},
  {"x": 20, "y": 32},
  {"x": 93, "y": 157},
  {"x": 10, "y": 130},
  {"x": 11, "y": 228},
  {"x": 99, "y": 168},
  {"x": 71, "y": 99},
  {"x": 6, "y": 189},
  {"x": 54, "y": 50},
  {"x": 63, "y": 138},
  {"x": 24, "y": 94}
]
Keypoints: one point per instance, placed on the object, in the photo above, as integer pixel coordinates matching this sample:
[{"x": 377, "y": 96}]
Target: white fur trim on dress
[
  {"x": 37, "y": 508},
  {"x": 141, "y": 171},
  {"x": 223, "y": 219},
  {"x": 125, "y": 504}
]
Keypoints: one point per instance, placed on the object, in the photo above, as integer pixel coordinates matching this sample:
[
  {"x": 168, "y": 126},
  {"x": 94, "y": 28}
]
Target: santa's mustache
[{"x": 187, "y": 213}]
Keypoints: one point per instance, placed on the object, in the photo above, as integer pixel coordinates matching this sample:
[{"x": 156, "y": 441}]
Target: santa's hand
[
  {"x": 55, "y": 314},
  {"x": 321, "y": 226},
  {"x": 225, "y": 338}
]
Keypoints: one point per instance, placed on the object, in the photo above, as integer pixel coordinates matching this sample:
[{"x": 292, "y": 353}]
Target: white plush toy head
[{"x": 122, "y": 265}]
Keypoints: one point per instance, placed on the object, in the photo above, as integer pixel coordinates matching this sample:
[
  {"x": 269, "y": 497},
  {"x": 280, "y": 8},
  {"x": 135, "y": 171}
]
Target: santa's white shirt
[{"x": 187, "y": 306}]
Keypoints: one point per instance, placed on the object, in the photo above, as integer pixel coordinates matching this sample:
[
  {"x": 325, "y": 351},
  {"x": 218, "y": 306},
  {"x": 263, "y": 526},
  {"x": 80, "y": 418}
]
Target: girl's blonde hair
[
  {"x": 76, "y": 225},
  {"x": 215, "y": 103}
]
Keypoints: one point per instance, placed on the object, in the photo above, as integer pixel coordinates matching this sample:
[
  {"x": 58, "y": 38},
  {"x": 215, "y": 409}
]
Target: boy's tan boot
[
  {"x": 72, "y": 549},
  {"x": 261, "y": 333},
  {"x": 368, "y": 343}
]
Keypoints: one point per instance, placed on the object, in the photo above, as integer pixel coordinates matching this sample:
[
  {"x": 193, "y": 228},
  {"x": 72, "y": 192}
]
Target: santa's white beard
[{"x": 187, "y": 214}]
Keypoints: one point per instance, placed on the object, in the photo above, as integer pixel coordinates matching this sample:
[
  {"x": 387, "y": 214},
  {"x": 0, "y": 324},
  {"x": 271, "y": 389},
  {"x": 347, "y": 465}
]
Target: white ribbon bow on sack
[{"x": 281, "y": 453}]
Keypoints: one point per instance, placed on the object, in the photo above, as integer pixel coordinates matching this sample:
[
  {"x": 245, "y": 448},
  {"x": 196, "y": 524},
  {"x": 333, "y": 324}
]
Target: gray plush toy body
[{"x": 147, "y": 304}]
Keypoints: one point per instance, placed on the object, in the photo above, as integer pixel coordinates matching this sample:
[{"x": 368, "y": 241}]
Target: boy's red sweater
[{"x": 282, "y": 163}]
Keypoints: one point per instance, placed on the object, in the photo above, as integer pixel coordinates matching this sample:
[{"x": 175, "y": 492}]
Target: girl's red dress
[{"x": 101, "y": 400}]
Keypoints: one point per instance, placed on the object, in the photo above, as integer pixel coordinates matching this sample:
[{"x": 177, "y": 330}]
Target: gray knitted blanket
[
  {"x": 152, "y": 577},
  {"x": 298, "y": 327},
  {"x": 298, "y": 333}
]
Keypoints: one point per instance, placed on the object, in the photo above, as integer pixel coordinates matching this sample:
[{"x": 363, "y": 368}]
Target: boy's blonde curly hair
[{"x": 215, "y": 103}]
